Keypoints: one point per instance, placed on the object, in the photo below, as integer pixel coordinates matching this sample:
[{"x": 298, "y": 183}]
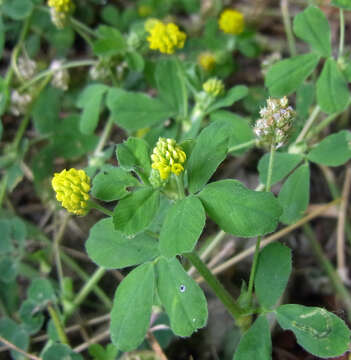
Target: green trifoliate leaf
[
  {"x": 240, "y": 211},
  {"x": 209, "y": 151},
  {"x": 131, "y": 310},
  {"x": 342, "y": 4},
  {"x": 16, "y": 335},
  {"x": 170, "y": 79},
  {"x": 41, "y": 291},
  {"x": 332, "y": 92},
  {"x": 334, "y": 150},
  {"x": 60, "y": 352},
  {"x": 241, "y": 131},
  {"x": 110, "y": 42},
  {"x": 113, "y": 250},
  {"x": 111, "y": 183},
  {"x": 182, "y": 227},
  {"x": 134, "y": 111},
  {"x": 272, "y": 274},
  {"x": 134, "y": 154},
  {"x": 320, "y": 332},
  {"x": 233, "y": 95},
  {"x": 256, "y": 343},
  {"x": 90, "y": 101},
  {"x": 184, "y": 301},
  {"x": 312, "y": 26},
  {"x": 287, "y": 75},
  {"x": 31, "y": 317},
  {"x": 282, "y": 165},
  {"x": 136, "y": 211},
  {"x": 295, "y": 195}
]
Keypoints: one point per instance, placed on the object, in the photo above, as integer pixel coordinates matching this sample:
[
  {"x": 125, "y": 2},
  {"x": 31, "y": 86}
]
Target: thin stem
[
  {"x": 3, "y": 186},
  {"x": 85, "y": 291},
  {"x": 94, "y": 205},
  {"x": 43, "y": 74},
  {"x": 180, "y": 186},
  {"x": 205, "y": 254},
  {"x": 16, "y": 348},
  {"x": 342, "y": 33},
  {"x": 242, "y": 146},
  {"x": 308, "y": 124},
  {"x": 58, "y": 325},
  {"x": 259, "y": 238},
  {"x": 104, "y": 137},
  {"x": 84, "y": 276},
  {"x": 253, "y": 268},
  {"x": 340, "y": 243},
  {"x": 278, "y": 235},
  {"x": 20, "y": 132},
  {"x": 56, "y": 249},
  {"x": 322, "y": 125},
  {"x": 230, "y": 304},
  {"x": 287, "y": 26},
  {"x": 329, "y": 269},
  {"x": 16, "y": 50},
  {"x": 270, "y": 169}
]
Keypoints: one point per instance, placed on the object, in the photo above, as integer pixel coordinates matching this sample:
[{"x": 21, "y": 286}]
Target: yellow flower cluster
[
  {"x": 207, "y": 61},
  {"x": 231, "y": 22},
  {"x": 72, "y": 188},
  {"x": 165, "y": 37},
  {"x": 168, "y": 157},
  {"x": 61, "y": 6},
  {"x": 213, "y": 87}
]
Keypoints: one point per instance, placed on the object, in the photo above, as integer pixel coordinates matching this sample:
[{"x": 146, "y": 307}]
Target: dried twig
[
  {"x": 14, "y": 347},
  {"x": 155, "y": 345},
  {"x": 236, "y": 259},
  {"x": 340, "y": 243}
]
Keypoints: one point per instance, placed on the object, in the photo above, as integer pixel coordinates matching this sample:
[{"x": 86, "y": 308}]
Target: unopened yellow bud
[
  {"x": 72, "y": 190},
  {"x": 207, "y": 61},
  {"x": 168, "y": 157},
  {"x": 165, "y": 37},
  {"x": 231, "y": 22},
  {"x": 213, "y": 87}
]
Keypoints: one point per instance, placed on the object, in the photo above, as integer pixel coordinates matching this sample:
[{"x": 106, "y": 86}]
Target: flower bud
[
  {"x": 72, "y": 190},
  {"x": 167, "y": 158},
  {"x": 213, "y": 87},
  {"x": 273, "y": 128},
  {"x": 60, "y": 10},
  {"x": 206, "y": 60}
]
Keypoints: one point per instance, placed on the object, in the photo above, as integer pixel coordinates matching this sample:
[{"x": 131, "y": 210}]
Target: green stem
[
  {"x": 342, "y": 33},
  {"x": 180, "y": 186},
  {"x": 329, "y": 269},
  {"x": 104, "y": 137},
  {"x": 3, "y": 187},
  {"x": 16, "y": 50},
  {"x": 94, "y": 205},
  {"x": 230, "y": 304},
  {"x": 258, "y": 242},
  {"x": 85, "y": 291},
  {"x": 287, "y": 26},
  {"x": 242, "y": 146},
  {"x": 58, "y": 325},
  {"x": 270, "y": 168},
  {"x": 45, "y": 73},
  {"x": 20, "y": 132},
  {"x": 84, "y": 276},
  {"x": 308, "y": 124}
]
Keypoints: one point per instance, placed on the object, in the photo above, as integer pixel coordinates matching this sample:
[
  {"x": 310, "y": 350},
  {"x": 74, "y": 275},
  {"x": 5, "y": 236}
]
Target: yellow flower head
[
  {"x": 144, "y": 10},
  {"x": 168, "y": 157},
  {"x": 62, "y": 6},
  {"x": 213, "y": 87},
  {"x": 72, "y": 188},
  {"x": 166, "y": 37},
  {"x": 207, "y": 61},
  {"x": 231, "y": 22}
]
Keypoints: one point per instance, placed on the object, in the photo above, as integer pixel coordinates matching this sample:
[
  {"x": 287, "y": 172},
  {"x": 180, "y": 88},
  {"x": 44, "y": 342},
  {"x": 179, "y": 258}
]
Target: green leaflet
[{"x": 131, "y": 310}]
